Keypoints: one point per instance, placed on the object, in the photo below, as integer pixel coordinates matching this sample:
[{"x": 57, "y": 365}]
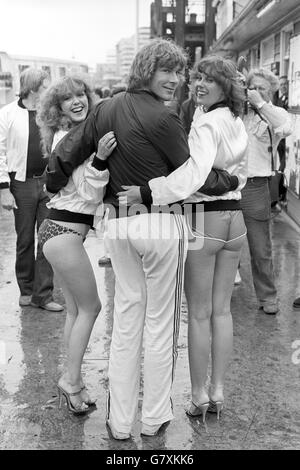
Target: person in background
[
  {"x": 282, "y": 98},
  {"x": 98, "y": 94},
  {"x": 266, "y": 125},
  {"x": 21, "y": 186},
  {"x": 147, "y": 248},
  {"x": 106, "y": 93},
  {"x": 65, "y": 105}
]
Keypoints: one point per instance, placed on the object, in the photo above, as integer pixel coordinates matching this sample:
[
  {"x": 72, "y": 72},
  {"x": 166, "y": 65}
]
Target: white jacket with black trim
[
  {"x": 217, "y": 139},
  {"x": 85, "y": 189}
]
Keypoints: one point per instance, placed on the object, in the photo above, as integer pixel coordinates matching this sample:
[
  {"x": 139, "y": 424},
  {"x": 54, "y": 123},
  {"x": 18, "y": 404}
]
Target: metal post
[
  {"x": 210, "y": 25},
  {"x": 180, "y": 22}
]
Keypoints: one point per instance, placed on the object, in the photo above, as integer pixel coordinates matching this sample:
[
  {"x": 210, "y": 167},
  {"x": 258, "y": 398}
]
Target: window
[
  {"x": 237, "y": 7},
  {"x": 255, "y": 57},
  {"x": 47, "y": 69},
  {"x": 277, "y": 48},
  {"x": 6, "y": 80},
  {"x": 267, "y": 52},
  {"x": 286, "y": 37}
]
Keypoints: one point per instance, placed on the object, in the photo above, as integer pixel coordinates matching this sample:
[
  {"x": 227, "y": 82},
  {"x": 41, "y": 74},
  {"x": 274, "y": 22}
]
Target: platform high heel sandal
[
  {"x": 195, "y": 411},
  {"x": 215, "y": 407},
  {"x": 76, "y": 410}
]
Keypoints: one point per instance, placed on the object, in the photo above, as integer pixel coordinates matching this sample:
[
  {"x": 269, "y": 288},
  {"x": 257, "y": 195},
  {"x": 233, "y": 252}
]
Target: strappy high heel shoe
[
  {"x": 197, "y": 410},
  {"x": 75, "y": 410},
  {"x": 216, "y": 407}
]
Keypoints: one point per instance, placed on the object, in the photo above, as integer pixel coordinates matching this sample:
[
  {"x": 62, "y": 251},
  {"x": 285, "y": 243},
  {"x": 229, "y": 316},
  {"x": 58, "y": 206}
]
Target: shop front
[{"x": 267, "y": 34}]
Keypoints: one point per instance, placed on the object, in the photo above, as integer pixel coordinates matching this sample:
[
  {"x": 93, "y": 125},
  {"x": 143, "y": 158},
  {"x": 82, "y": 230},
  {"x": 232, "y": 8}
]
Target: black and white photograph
[{"x": 150, "y": 228}]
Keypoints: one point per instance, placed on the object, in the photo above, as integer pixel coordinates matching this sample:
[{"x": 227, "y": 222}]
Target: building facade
[
  {"x": 126, "y": 49},
  {"x": 106, "y": 73},
  {"x": 267, "y": 34},
  {"x": 12, "y": 65},
  {"x": 143, "y": 36},
  {"x": 182, "y": 21}
]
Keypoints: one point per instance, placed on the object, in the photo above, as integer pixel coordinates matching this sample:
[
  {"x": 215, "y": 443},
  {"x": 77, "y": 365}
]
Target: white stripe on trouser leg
[
  {"x": 148, "y": 266},
  {"x": 179, "y": 286}
]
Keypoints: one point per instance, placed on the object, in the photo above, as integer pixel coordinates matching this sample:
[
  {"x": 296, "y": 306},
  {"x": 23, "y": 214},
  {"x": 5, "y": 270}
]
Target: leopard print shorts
[{"x": 50, "y": 229}]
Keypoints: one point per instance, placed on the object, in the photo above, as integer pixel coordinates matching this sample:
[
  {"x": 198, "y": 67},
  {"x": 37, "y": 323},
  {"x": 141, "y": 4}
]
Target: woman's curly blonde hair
[
  {"x": 50, "y": 117},
  {"x": 225, "y": 73}
]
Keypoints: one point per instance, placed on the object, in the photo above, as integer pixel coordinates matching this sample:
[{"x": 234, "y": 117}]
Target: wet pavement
[{"x": 262, "y": 408}]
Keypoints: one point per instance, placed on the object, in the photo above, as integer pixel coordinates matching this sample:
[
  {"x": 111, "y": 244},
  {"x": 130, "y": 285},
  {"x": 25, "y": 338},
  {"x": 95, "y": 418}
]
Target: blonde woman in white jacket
[{"x": 64, "y": 105}]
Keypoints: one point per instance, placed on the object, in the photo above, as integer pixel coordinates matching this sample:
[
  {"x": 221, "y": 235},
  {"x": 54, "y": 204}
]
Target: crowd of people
[{"x": 182, "y": 191}]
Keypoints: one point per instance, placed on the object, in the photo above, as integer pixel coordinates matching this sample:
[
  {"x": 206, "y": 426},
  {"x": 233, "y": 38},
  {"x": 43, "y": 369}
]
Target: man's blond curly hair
[{"x": 158, "y": 53}]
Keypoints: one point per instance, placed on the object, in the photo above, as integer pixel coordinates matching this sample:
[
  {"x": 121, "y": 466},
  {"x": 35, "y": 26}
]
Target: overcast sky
[{"x": 81, "y": 29}]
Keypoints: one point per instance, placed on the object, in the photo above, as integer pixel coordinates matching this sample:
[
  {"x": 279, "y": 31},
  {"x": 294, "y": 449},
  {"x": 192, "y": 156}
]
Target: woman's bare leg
[
  {"x": 70, "y": 260},
  {"x": 222, "y": 331},
  {"x": 198, "y": 290}
]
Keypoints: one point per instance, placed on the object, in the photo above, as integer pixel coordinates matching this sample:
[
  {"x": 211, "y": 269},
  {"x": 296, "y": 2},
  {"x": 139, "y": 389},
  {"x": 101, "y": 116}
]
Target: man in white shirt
[
  {"x": 21, "y": 188},
  {"x": 266, "y": 125}
]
